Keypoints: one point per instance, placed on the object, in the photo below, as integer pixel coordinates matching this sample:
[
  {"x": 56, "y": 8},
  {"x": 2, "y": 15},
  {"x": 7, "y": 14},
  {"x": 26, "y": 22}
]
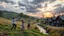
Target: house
[
  {"x": 58, "y": 21},
  {"x": 62, "y": 20}
]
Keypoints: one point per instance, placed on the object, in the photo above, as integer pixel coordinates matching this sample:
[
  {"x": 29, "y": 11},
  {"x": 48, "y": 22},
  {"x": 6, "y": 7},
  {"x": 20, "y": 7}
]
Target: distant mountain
[{"x": 10, "y": 15}]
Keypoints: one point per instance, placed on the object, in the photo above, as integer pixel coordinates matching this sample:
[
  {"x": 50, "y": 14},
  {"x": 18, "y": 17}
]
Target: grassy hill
[
  {"x": 10, "y": 15},
  {"x": 5, "y": 25}
]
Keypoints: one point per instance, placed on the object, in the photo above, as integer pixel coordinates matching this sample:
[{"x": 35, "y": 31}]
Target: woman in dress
[{"x": 22, "y": 26}]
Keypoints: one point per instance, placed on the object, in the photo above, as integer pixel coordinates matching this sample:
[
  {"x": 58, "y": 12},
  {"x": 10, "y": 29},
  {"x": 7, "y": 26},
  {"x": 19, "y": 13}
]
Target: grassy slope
[
  {"x": 5, "y": 26},
  {"x": 9, "y": 15},
  {"x": 54, "y": 31}
]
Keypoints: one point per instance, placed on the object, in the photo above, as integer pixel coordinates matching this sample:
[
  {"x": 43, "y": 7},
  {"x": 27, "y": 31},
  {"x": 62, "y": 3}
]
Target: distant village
[{"x": 55, "y": 21}]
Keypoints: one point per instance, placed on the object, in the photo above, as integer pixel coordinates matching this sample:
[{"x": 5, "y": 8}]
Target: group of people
[{"x": 22, "y": 25}]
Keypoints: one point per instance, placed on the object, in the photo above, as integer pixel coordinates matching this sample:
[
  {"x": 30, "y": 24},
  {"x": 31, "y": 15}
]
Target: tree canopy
[
  {"x": 1, "y": 13},
  {"x": 21, "y": 15}
]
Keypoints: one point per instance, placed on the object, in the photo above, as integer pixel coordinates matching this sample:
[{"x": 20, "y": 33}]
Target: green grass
[
  {"x": 53, "y": 31},
  {"x": 5, "y": 30}
]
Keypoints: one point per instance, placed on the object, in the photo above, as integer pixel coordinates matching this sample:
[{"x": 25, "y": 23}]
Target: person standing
[
  {"x": 22, "y": 26},
  {"x": 28, "y": 24},
  {"x": 14, "y": 23}
]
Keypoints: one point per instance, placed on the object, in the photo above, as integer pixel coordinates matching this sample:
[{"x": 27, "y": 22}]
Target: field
[
  {"x": 5, "y": 26},
  {"x": 53, "y": 31}
]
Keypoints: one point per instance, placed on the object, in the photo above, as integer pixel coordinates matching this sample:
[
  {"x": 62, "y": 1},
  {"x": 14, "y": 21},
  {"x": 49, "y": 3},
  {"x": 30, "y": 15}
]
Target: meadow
[{"x": 5, "y": 25}]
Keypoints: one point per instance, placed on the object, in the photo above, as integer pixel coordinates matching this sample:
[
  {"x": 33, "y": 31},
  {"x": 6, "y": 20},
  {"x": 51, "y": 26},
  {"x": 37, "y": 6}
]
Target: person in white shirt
[{"x": 14, "y": 23}]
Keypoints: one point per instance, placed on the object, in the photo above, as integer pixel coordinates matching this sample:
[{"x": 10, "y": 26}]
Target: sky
[{"x": 36, "y": 8}]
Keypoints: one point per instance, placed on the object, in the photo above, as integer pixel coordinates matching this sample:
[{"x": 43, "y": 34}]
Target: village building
[
  {"x": 59, "y": 21},
  {"x": 56, "y": 21}
]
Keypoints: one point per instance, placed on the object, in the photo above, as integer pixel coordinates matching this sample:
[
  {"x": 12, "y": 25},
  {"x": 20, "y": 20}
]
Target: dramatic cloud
[
  {"x": 32, "y": 6},
  {"x": 42, "y": 1},
  {"x": 51, "y": 1},
  {"x": 58, "y": 5},
  {"x": 21, "y": 4},
  {"x": 59, "y": 10},
  {"x": 28, "y": 6},
  {"x": 7, "y": 1},
  {"x": 37, "y": 1},
  {"x": 1, "y": 8},
  {"x": 32, "y": 10},
  {"x": 39, "y": 6}
]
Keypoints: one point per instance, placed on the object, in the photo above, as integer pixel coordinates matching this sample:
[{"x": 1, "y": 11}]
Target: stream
[{"x": 42, "y": 30}]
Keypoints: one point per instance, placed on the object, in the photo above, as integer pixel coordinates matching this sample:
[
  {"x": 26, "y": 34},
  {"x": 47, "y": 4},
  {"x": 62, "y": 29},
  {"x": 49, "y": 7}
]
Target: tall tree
[
  {"x": 1, "y": 13},
  {"x": 21, "y": 15}
]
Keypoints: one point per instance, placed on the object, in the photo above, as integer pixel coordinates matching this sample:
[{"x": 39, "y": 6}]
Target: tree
[
  {"x": 21, "y": 15},
  {"x": 1, "y": 13}
]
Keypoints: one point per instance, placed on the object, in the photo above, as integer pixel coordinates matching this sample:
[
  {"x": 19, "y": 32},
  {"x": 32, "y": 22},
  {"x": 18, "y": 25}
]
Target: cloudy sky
[{"x": 33, "y": 7}]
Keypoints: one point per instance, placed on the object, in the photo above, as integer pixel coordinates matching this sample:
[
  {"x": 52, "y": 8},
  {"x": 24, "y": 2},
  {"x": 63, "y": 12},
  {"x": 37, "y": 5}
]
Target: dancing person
[
  {"x": 22, "y": 26},
  {"x": 14, "y": 23}
]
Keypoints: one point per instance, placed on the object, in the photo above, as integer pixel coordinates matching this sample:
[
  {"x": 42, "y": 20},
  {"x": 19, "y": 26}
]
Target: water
[{"x": 42, "y": 30}]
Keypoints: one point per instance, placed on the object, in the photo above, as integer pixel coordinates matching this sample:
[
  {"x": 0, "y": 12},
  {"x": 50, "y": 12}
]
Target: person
[
  {"x": 22, "y": 26},
  {"x": 28, "y": 24},
  {"x": 14, "y": 23}
]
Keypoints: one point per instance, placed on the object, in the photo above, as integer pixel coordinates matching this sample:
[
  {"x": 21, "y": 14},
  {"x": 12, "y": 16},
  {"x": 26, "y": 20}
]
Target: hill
[
  {"x": 5, "y": 25},
  {"x": 10, "y": 15}
]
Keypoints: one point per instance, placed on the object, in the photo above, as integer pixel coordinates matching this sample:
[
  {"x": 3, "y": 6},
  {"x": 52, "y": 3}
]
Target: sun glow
[
  {"x": 61, "y": 0},
  {"x": 47, "y": 14}
]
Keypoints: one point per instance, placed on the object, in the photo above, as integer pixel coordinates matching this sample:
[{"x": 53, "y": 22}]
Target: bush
[{"x": 55, "y": 32}]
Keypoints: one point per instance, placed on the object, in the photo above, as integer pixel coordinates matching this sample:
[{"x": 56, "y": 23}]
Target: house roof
[{"x": 62, "y": 17}]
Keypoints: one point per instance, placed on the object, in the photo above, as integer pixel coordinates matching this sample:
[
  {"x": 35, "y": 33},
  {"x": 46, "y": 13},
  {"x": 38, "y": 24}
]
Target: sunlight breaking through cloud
[{"x": 33, "y": 7}]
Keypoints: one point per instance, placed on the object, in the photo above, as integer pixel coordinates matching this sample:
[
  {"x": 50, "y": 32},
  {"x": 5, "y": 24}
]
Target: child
[{"x": 28, "y": 24}]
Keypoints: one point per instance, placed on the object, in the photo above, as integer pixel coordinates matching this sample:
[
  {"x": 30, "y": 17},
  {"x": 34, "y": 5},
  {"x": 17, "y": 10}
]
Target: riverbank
[
  {"x": 53, "y": 31},
  {"x": 42, "y": 30}
]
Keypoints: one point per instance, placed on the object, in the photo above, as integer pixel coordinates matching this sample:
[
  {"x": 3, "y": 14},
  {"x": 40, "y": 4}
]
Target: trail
[{"x": 42, "y": 30}]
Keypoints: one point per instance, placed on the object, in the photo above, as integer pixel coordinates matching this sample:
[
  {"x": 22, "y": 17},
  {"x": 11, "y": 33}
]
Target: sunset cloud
[{"x": 34, "y": 7}]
